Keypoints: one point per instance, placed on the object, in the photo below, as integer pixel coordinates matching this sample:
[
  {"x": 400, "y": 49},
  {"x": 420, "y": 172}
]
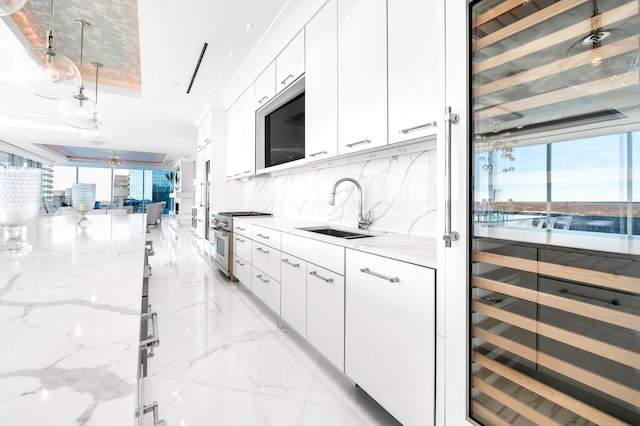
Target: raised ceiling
[{"x": 149, "y": 50}]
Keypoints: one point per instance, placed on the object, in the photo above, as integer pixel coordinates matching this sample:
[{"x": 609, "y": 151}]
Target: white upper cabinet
[
  {"x": 205, "y": 131},
  {"x": 247, "y": 163},
  {"x": 416, "y": 68},
  {"x": 235, "y": 137},
  {"x": 265, "y": 86},
  {"x": 241, "y": 133},
  {"x": 362, "y": 74},
  {"x": 321, "y": 84},
  {"x": 290, "y": 63}
]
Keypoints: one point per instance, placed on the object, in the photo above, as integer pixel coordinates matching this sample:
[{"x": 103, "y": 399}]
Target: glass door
[{"x": 554, "y": 332}]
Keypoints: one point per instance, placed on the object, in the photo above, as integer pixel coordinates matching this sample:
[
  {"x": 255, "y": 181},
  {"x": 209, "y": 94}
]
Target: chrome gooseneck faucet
[{"x": 363, "y": 222}]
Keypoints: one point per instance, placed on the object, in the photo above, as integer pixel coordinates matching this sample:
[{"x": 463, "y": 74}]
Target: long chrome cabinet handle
[
  {"x": 152, "y": 340},
  {"x": 239, "y": 229},
  {"x": 240, "y": 240},
  {"x": 295, "y": 265},
  {"x": 421, "y": 126},
  {"x": 262, "y": 279},
  {"x": 448, "y": 235},
  {"x": 261, "y": 250},
  {"x": 240, "y": 263},
  {"x": 287, "y": 79},
  {"x": 315, "y": 154},
  {"x": 151, "y": 408},
  {"x": 349, "y": 145},
  {"x": 315, "y": 274},
  {"x": 264, "y": 98},
  {"x": 376, "y": 274},
  {"x": 266, "y": 237}
]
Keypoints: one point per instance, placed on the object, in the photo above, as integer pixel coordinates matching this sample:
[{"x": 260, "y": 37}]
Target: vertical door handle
[{"x": 448, "y": 235}]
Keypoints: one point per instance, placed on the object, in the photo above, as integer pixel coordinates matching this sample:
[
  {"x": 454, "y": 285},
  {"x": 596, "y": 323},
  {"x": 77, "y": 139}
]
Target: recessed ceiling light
[
  {"x": 210, "y": 90},
  {"x": 248, "y": 26},
  {"x": 232, "y": 55},
  {"x": 219, "y": 75}
]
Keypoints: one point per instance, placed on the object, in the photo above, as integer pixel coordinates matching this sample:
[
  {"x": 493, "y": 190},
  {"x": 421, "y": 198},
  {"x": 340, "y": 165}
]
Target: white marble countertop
[
  {"x": 407, "y": 248},
  {"x": 70, "y": 323}
]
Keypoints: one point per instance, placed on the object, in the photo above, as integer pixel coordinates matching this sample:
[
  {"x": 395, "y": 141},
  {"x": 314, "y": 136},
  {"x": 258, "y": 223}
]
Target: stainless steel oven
[
  {"x": 222, "y": 229},
  {"x": 222, "y": 253}
]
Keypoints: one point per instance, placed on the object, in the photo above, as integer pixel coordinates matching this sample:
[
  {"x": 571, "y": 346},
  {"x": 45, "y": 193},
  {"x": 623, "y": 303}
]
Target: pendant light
[
  {"x": 113, "y": 160},
  {"x": 7, "y": 7},
  {"x": 80, "y": 111},
  {"x": 46, "y": 73},
  {"x": 99, "y": 134},
  {"x": 605, "y": 55}
]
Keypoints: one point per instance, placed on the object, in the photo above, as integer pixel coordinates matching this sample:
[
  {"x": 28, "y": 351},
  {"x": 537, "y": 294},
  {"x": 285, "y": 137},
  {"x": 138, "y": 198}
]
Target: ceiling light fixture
[
  {"x": 46, "y": 73},
  {"x": 248, "y": 26},
  {"x": 601, "y": 55},
  {"x": 99, "y": 134},
  {"x": 195, "y": 71},
  {"x": 7, "y": 7},
  {"x": 80, "y": 111},
  {"x": 113, "y": 160}
]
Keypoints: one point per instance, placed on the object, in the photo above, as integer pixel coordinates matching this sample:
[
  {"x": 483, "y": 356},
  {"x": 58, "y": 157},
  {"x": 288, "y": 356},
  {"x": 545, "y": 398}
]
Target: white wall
[{"x": 399, "y": 191}]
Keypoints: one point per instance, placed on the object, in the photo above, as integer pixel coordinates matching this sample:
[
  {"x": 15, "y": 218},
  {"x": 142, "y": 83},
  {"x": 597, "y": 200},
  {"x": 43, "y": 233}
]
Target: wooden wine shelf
[
  {"x": 562, "y": 95},
  {"x": 587, "y": 344},
  {"x": 622, "y": 46},
  {"x": 570, "y": 33},
  {"x": 531, "y": 20},
  {"x": 602, "y": 279},
  {"x": 560, "y": 398}
]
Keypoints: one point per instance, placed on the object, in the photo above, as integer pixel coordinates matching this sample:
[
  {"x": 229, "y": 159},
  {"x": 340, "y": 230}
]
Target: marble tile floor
[{"x": 224, "y": 360}]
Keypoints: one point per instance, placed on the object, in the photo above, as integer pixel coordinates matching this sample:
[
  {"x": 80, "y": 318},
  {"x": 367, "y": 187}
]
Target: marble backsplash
[{"x": 399, "y": 192}]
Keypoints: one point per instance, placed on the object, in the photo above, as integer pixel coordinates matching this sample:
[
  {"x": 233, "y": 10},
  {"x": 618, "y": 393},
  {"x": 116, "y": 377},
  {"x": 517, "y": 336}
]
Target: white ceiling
[{"x": 156, "y": 116}]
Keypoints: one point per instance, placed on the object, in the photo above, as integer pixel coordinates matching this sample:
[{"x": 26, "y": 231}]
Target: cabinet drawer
[
  {"x": 390, "y": 305},
  {"x": 266, "y": 258},
  {"x": 266, "y": 236},
  {"x": 242, "y": 247},
  {"x": 320, "y": 253},
  {"x": 242, "y": 270},
  {"x": 242, "y": 228},
  {"x": 266, "y": 288},
  {"x": 293, "y": 293},
  {"x": 325, "y": 313}
]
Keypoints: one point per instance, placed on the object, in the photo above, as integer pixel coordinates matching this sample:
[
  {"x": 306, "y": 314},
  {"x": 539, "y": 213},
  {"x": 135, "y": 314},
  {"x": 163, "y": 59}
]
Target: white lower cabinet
[
  {"x": 242, "y": 246},
  {"x": 325, "y": 313},
  {"x": 266, "y": 288},
  {"x": 267, "y": 259},
  {"x": 242, "y": 270},
  {"x": 293, "y": 293},
  {"x": 390, "y": 334}
]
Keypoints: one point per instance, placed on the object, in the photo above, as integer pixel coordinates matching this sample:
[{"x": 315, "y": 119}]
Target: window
[
  {"x": 101, "y": 177},
  {"x": 63, "y": 177}
]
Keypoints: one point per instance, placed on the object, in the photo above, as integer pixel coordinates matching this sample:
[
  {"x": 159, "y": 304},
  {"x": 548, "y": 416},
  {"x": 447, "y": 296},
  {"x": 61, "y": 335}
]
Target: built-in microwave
[{"x": 280, "y": 128}]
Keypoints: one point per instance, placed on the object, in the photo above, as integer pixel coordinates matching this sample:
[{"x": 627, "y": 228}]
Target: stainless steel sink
[{"x": 338, "y": 233}]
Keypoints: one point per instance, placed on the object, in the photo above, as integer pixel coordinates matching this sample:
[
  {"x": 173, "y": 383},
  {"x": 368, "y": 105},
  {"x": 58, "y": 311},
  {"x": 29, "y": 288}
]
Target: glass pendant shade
[
  {"x": 80, "y": 112},
  {"x": 605, "y": 55},
  {"x": 7, "y": 7},
  {"x": 98, "y": 135},
  {"x": 47, "y": 74}
]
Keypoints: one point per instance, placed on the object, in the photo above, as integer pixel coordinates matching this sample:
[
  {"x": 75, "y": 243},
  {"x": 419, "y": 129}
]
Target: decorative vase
[
  {"x": 83, "y": 199},
  {"x": 20, "y": 196}
]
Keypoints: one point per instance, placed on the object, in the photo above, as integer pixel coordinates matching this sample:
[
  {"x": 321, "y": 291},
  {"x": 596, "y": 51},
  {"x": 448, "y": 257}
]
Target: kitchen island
[{"x": 70, "y": 323}]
